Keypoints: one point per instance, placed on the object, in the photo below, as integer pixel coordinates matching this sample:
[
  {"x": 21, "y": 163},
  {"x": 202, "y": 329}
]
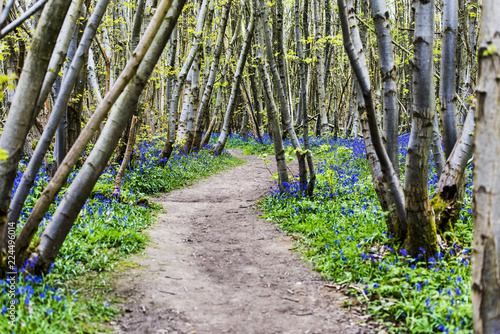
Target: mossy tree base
[{"x": 422, "y": 239}]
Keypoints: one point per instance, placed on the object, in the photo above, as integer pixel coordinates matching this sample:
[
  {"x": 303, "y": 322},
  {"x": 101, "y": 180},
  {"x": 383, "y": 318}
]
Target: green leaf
[{"x": 4, "y": 155}]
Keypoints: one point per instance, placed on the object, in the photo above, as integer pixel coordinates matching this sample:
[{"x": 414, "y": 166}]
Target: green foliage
[
  {"x": 4, "y": 155},
  {"x": 77, "y": 294},
  {"x": 342, "y": 232}
]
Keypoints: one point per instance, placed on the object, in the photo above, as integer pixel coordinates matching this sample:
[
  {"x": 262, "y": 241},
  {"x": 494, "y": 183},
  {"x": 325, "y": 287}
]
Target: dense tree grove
[{"x": 81, "y": 78}]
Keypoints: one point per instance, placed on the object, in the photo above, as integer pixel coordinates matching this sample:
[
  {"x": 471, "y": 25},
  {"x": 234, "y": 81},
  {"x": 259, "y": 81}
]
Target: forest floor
[{"x": 212, "y": 266}]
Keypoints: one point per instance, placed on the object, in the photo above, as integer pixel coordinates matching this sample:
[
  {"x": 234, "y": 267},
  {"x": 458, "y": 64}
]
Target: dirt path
[{"x": 213, "y": 266}]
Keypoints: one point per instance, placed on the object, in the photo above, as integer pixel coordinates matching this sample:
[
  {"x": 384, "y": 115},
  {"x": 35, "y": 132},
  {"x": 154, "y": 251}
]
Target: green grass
[
  {"x": 341, "y": 231},
  {"x": 76, "y": 296}
]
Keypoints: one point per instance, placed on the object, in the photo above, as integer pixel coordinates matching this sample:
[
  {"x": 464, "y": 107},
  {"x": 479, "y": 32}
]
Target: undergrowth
[
  {"x": 74, "y": 296},
  {"x": 341, "y": 230}
]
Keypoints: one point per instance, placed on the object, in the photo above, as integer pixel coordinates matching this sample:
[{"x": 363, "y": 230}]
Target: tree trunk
[
  {"x": 360, "y": 70},
  {"x": 421, "y": 226},
  {"x": 395, "y": 226},
  {"x": 194, "y": 103},
  {"x": 272, "y": 118},
  {"x": 126, "y": 158},
  {"x": 437, "y": 149},
  {"x": 57, "y": 229},
  {"x": 61, "y": 130},
  {"x": 181, "y": 78},
  {"x": 448, "y": 74},
  {"x": 186, "y": 106},
  {"x": 57, "y": 113},
  {"x": 221, "y": 142},
  {"x": 171, "y": 82},
  {"x": 214, "y": 67},
  {"x": 285, "y": 113},
  {"x": 23, "y": 109},
  {"x": 94, "y": 88},
  {"x": 450, "y": 190},
  {"x": 93, "y": 124},
  {"x": 486, "y": 254},
  {"x": 380, "y": 16},
  {"x": 323, "y": 116}
]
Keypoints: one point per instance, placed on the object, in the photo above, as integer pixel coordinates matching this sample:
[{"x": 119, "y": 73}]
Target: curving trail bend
[{"x": 213, "y": 266}]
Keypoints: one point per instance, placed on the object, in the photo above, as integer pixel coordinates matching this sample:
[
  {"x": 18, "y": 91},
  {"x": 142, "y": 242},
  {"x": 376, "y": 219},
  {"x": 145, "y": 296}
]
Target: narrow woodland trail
[{"x": 213, "y": 266}]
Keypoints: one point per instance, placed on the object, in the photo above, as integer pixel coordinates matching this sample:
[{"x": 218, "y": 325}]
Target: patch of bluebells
[
  {"x": 345, "y": 236},
  {"x": 107, "y": 228}
]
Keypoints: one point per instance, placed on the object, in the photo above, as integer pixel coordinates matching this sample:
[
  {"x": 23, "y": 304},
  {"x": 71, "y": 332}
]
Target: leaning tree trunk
[
  {"x": 61, "y": 130},
  {"x": 134, "y": 40},
  {"x": 58, "y": 111},
  {"x": 421, "y": 226},
  {"x": 23, "y": 109},
  {"x": 364, "y": 84},
  {"x": 272, "y": 117},
  {"x": 450, "y": 190},
  {"x": 265, "y": 40},
  {"x": 387, "y": 202},
  {"x": 56, "y": 231},
  {"x": 58, "y": 180},
  {"x": 486, "y": 199}
]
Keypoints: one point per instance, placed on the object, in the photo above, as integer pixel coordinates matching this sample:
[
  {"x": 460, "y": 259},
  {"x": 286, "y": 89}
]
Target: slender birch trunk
[
  {"x": 278, "y": 29},
  {"x": 448, "y": 74},
  {"x": 61, "y": 129},
  {"x": 271, "y": 107},
  {"x": 193, "y": 104},
  {"x": 394, "y": 225},
  {"x": 57, "y": 113},
  {"x": 93, "y": 124},
  {"x": 181, "y": 78},
  {"x": 126, "y": 158},
  {"x": 380, "y": 16},
  {"x": 437, "y": 149},
  {"x": 214, "y": 67},
  {"x": 186, "y": 105},
  {"x": 421, "y": 226},
  {"x": 57, "y": 229},
  {"x": 95, "y": 90},
  {"x": 171, "y": 82},
  {"x": 364, "y": 82},
  {"x": 221, "y": 142},
  {"x": 23, "y": 109},
  {"x": 323, "y": 116},
  {"x": 285, "y": 113}
]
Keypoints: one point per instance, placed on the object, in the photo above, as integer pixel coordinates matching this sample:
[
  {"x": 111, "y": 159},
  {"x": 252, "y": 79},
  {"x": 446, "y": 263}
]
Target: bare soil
[{"x": 213, "y": 266}]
